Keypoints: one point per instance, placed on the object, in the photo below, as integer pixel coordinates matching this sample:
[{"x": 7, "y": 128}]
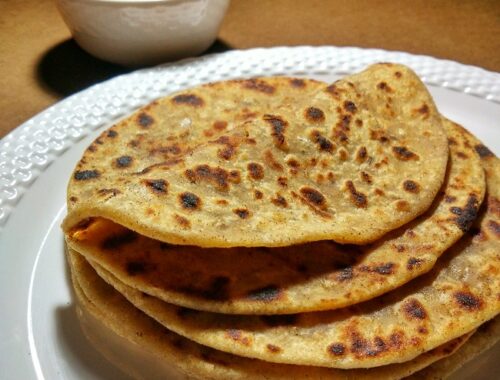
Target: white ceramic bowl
[{"x": 143, "y": 32}]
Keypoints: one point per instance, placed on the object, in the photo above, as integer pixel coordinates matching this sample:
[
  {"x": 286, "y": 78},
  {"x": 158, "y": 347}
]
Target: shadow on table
[{"x": 66, "y": 68}]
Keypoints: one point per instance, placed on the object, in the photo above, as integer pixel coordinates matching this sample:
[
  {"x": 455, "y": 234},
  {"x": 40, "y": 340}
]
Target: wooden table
[{"x": 40, "y": 63}]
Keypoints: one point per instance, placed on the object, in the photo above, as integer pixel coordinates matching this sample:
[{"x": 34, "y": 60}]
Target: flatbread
[
  {"x": 309, "y": 277},
  {"x": 163, "y": 131},
  {"x": 168, "y": 350},
  {"x": 483, "y": 339},
  {"x": 459, "y": 294},
  {"x": 348, "y": 162}
]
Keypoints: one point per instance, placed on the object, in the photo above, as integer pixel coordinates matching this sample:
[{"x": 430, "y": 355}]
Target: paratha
[
  {"x": 348, "y": 162},
  {"x": 166, "y": 129},
  {"x": 460, "y": 293},
  {"x": 309, "y": 277},
  {"x": 164, "y": 350},
  {"x": 484, "y": 338}
]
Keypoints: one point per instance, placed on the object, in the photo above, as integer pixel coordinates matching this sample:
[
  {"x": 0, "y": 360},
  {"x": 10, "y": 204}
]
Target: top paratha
[
  {"x": 308, "y": 277},
  {"x": 460, "y": 293},
  {"x": 347, "y": 162}
]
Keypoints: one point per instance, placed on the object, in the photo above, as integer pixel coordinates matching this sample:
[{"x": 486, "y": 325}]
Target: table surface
[{"x": 40, "y": 63}]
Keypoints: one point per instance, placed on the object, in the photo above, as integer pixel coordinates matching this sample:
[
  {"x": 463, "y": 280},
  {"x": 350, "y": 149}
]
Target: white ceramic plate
[{"x": 39, "y": 334}]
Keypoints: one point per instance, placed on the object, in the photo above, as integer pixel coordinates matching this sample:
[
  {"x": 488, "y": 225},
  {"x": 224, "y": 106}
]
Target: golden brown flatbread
[
  {"x": 167, "y": 351},
  {"x": 459, "y": 294},
  {"x": 483, "y": 339},
  {"x": 349, "y": 162},
  {"x": 309, "y": 277}
]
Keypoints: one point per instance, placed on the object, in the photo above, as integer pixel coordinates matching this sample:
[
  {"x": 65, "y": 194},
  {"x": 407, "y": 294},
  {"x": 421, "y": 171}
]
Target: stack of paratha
[{"x": 286, "y": 228}]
